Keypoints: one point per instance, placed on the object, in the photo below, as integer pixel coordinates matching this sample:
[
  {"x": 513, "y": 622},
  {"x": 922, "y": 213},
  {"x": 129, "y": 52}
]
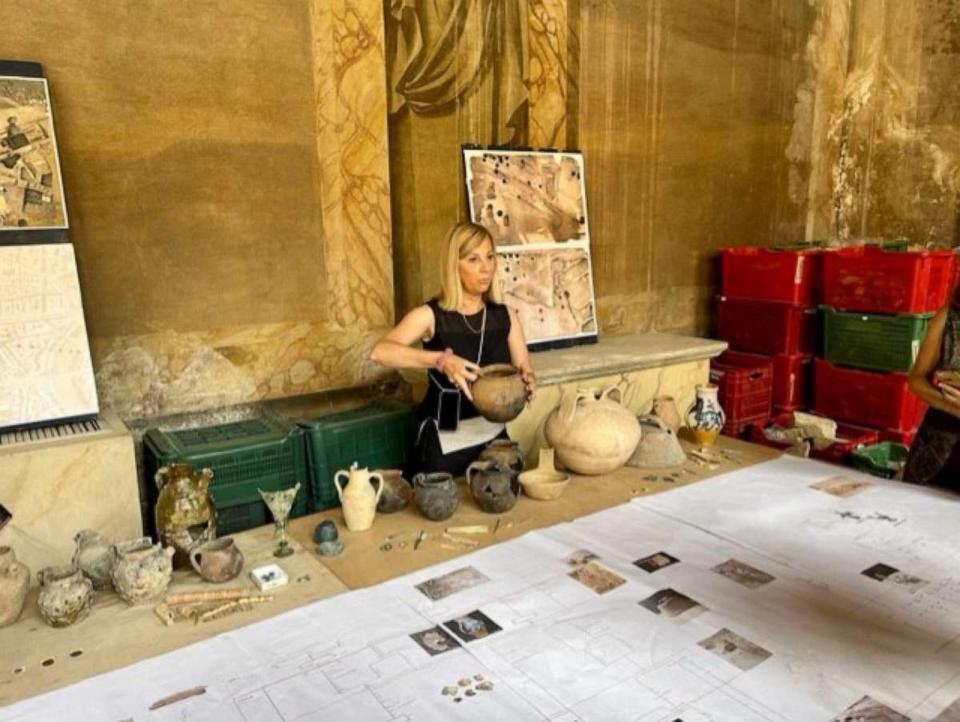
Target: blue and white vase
[{"x": 705, "y": 417}]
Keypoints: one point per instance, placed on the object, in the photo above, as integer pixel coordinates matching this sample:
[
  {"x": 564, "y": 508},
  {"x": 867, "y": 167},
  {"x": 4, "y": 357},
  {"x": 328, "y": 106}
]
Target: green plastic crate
[
  {"x": 884, "y": 459},
  {"x": 377, "y": 436},
  {"x": 245, "y": 456},
  {"x": 873, "y": 341}
]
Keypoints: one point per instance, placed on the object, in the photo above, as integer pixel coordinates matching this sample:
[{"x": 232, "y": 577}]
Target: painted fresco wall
[{"x": 226, "y": 172}]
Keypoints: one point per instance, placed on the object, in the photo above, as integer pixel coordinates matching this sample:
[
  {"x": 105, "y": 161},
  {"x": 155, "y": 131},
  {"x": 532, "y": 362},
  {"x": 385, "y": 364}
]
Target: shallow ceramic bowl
[{"x": 543, "y": 485}]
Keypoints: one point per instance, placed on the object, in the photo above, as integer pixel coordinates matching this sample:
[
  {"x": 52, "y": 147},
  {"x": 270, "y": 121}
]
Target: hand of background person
[
  {"x": 530, "y": 381},
  {"x": 461, "y": 372}
]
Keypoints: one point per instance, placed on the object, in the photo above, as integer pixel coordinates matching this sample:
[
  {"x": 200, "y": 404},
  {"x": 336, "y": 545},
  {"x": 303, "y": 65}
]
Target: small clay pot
[
  {"x": 397, "y": 493},
  {"x": 494, "y": 487},
  {"x": 436, "y": 495},
  {"x": 218, "y": 560},
  {"x": 65, "y": 595},
  {"x": 505, "y": 451},
  {"x": 94, "y": 557},
  {"x": 499, "y": 393}
]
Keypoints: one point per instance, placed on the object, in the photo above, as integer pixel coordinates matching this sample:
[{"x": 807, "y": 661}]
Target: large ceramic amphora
[
  {"x": 14, "y": 582},
  {"x": 592, "y": 432},
  {"x": 142, "y": 570},
  {"x": 358, "y": 498},
  {"x": 65, "y": 595},
  {"x": 705, "y": 417},
  {"x": 185, "y": 513}
]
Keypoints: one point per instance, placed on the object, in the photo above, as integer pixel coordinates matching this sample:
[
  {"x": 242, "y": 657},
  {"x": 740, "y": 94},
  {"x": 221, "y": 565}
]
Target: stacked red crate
[
  {"x": 767, "y": 306},
  {"x": 871, "y": 280},
  {"x": 745, "y": 389}
]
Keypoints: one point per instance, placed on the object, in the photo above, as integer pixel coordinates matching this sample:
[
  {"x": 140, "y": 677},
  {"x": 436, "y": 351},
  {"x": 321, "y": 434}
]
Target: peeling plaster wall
[{"x": 888, "y": 146}]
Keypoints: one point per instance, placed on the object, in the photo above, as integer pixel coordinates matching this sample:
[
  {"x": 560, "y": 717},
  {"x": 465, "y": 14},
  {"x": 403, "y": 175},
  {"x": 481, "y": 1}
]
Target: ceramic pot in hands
[
  {"x": 397, "y": 492},
  {"x": 592, "y": 433},
  {"x": 436, "y": 495},
  {"x": 493, "y": 486},
  {"x": 358, "y": 498},
  {"x": 14, "y": 582},
  {"x": 499, "y": 392},
  {"x": 65, "y": 595},
  {"x": 142, "y": 570},
  {"x": 218, "y": 560}
]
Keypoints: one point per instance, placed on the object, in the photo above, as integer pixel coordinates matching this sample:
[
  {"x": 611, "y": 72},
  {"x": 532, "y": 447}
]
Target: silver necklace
[{"x": 483, "y": 320}]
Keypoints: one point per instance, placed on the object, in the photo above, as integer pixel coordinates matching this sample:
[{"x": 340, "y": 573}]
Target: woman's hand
[
  {"x": 460, "y": 372},
  {"x": 530, "y": 381},
  {"x": 951, "y": 394}
]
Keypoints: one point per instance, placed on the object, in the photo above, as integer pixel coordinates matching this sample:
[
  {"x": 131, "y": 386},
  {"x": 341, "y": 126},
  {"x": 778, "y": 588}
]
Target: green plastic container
[
  {"x": 872, "y": 341},
  {"x": 884, "y": 459},
  {"x": 377, "y": 436},
  {"x": 245, "y": 456}
]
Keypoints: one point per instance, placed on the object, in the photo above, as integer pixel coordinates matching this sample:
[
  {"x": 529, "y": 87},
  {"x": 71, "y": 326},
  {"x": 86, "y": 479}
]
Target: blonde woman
[{"x": 462, "y": 329}]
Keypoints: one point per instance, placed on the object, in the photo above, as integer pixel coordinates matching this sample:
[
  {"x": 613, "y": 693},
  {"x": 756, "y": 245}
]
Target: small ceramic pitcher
[
  {"x": 14, "y": 581},
  {"x": 436, "y": 495},
  {"x": 359, "y": 500},
  {"x": 218, "y": 560},
  {"x": 65, "y": 597},
  {"x": 94, "y": 557},
  {"x": 705, "y": 417}
]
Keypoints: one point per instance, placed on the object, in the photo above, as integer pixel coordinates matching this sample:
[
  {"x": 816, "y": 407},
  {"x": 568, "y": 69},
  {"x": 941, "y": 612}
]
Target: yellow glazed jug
[{"x": 359, "y": 500}]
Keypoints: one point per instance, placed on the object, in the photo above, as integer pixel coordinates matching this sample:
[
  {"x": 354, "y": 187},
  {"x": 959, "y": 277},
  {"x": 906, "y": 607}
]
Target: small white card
[{"x": 269, "y": 576}]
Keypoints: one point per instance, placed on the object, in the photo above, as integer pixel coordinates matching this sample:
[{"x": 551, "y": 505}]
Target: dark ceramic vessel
[
  {"x": 494, "y": 487},
  {"x": 436, "y": 495}
]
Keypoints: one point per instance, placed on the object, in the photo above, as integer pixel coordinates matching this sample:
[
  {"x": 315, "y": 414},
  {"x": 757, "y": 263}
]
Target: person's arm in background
[
  {"x": 946, "y": 398},
  {"x": 519, "y": 356},
  {"x": 395, "y": 350}
]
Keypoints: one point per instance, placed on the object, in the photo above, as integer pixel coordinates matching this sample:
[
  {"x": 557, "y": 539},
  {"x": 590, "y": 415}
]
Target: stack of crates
[
  {"x": 767, "y": 313},
  {"x": 380, "y": 435},
  {"x": 745, "y": 389},
  {"x": 877, "y": 305},
  {"x": 245, "y": 456}
]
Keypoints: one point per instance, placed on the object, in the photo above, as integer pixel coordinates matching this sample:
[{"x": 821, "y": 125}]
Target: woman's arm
[
  {"x": 396, "y": 351},
  {"x": 519, "y": 356},
  {"x": 928, "y": 361}
]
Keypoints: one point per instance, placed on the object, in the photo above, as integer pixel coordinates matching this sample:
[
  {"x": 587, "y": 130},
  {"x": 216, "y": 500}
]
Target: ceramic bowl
[{"x": 543, "y": 485}]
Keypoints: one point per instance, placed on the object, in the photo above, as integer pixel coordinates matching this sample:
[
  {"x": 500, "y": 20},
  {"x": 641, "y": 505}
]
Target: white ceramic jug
[{"x": 359, "y": 500}]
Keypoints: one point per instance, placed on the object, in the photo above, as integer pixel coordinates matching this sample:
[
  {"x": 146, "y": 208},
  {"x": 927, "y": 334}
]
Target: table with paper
[{"x": 790, "y": 590}]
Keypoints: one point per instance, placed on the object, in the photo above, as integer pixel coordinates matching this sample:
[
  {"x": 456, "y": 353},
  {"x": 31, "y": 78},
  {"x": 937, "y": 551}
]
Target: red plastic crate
[
  {"x": 745, "y": 389},
  {"x": 764, "y": 274},
  {"x": 791, "y": 377},
  {"x": 867, "y": 278},
  {"x": 899, "y": 437},
  {"x": 877, "y": 400},
  {"x": 767, "y": 327}
]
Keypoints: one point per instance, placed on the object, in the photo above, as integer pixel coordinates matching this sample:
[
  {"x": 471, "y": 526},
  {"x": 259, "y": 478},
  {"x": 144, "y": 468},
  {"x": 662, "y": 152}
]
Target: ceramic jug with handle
[{"x": 358, "y": 498}]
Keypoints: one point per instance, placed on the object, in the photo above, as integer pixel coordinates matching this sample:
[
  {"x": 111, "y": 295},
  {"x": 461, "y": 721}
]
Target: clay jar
[
  {"x": 14, "y": 582},
  {"x": 358, "y": 498},
  {"x": 493, "y": 486},
  {"x": 397, "y": 493},
  {"x": 218, "y": 560},
  {"x": 436, "y": 495},
  {"x": 659, "y": 447},
  {"x": 94, "y": 557},
  {"x": 499, "y": 393},
  {"x": 705, "y": 417},
  {"x": 505, "y": 451},
  {"x": 665, "y": 408},
  {"x": 185, "y": 513},
  {"x": 142, "y": 570},
  {"x": 65, "y": 596},
  {"x": 592, "y": 433}
]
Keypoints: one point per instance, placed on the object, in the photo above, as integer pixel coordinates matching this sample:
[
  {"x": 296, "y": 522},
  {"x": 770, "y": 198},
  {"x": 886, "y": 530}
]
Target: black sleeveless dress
[{"x": 462, "y": 334}]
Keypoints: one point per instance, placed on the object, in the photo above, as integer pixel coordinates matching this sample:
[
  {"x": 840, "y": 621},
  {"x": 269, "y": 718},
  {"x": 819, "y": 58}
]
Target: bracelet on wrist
[{"x": 443, "y": 358}]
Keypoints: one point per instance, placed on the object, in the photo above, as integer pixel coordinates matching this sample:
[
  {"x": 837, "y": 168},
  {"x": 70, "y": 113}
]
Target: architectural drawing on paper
[
  {"x": 31, "y": 190},
  {"x": 525, "y": 197},
  {"x": 45, "y": 369},
  {"x": 551, "y": 290}
]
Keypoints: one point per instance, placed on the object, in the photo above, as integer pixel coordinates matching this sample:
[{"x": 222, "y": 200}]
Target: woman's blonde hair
[{"x": 461, "y": 240}]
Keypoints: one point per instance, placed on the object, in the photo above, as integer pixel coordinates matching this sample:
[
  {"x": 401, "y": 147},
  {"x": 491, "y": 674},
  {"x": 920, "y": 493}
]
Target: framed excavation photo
[
  {"x": 31, "y": 187},
  {"x": 534, "y": 205}
]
